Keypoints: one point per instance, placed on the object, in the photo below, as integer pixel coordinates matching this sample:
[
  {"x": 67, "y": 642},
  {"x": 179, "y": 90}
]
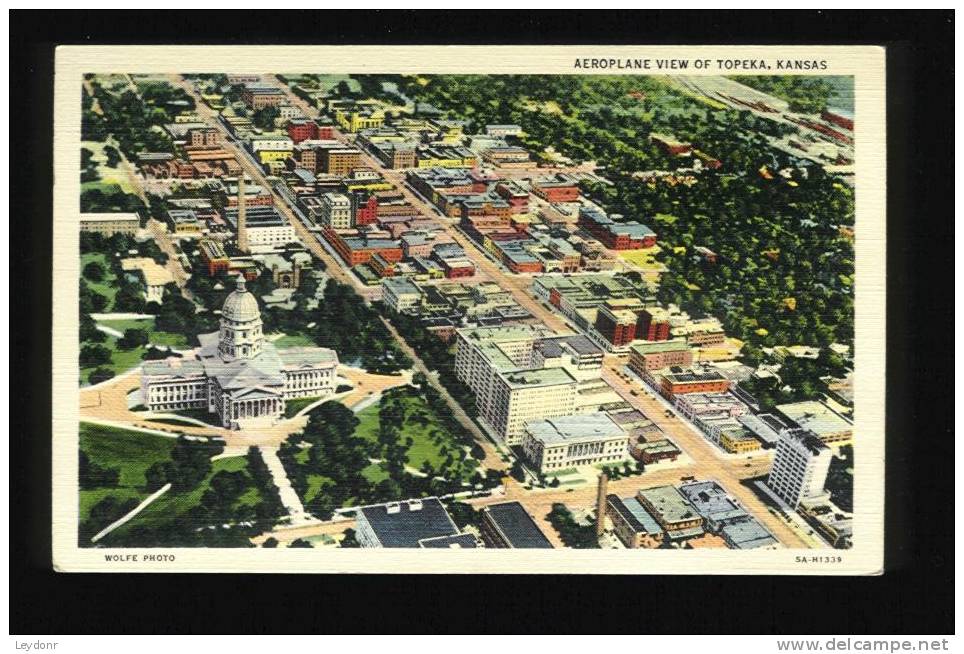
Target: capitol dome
[{"x": 240, "y": 305}]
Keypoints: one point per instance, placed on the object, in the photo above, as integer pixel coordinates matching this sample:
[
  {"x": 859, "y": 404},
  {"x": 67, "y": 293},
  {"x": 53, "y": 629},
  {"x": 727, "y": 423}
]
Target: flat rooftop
[
  {"x": 575, "y": 429},
  {"x": 408, "y": 523},
  {"x": 635, "y": 514},
  {"x": 537, "y": 378},
  {"x": 517, "y": 526},
  {"x": 669, "y": 503}
]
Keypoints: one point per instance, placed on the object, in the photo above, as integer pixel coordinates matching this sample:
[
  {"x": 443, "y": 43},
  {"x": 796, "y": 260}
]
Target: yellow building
[
  {"x": 368, "y": 185},
  {"x": 738, "y": 441},
  {"x": 355, "y": 119},
  {"x": 267, "y": 156}
]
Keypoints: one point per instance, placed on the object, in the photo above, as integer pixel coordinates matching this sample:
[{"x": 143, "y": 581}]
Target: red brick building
[
  {"x": 618, "y": 326},
  {"x": 302, "y": 130},
  {"x": 557, "y": 188},
  {"x": 653, "y": 325},
  {"x": 355, "y": 250},
  {"x": 364, "y": 208}
]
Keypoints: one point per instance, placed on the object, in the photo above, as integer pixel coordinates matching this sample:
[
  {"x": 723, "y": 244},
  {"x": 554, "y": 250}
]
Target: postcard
[{"x": 462, "y": 309}]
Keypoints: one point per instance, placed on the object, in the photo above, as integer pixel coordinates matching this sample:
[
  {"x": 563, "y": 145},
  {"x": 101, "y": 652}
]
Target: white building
[
  {"x": 573, "y": 441},
  {"x": 236, "y": 373},
  {"x": 523, "y": 373},
  {"x": 800, "y": 466},
  {"x": 109, "y": 224},
  {"x": 336, "y": 210},
  {"x": 400, "y": 294},
  {"x": 272, "y": 144},
  {"x": 265, "y": 229},
  {"x": 154, "y": 275}
]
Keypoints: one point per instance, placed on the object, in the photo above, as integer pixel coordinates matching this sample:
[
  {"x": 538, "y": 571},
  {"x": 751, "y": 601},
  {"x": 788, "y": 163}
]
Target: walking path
[
  {"x": 289, "y": 498},
  {"x": 140, "y": 507}
]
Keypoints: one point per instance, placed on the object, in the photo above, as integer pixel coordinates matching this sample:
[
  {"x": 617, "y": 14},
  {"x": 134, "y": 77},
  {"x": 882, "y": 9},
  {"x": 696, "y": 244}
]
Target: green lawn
[
  {"x": 292, "y": 407},
  {"x": 129, "y": 451},
  {"x": 156, "y": 337},
  {"x": 423, "y": 448},
  {"x": 107, "y": 286},
  {"x": 293, "y": 340},
  {"x": 108, "y": 176},
  {"x": 315, "y": 485},
  {"x": 171, "y": 505},
  {"x": 120, "y": 360}
]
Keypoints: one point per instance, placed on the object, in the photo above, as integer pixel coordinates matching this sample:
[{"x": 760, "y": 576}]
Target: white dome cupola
[{"x": 241, "y": 334}]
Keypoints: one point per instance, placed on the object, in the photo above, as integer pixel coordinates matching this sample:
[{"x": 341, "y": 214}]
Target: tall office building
[{"x": 800, "y": 466}]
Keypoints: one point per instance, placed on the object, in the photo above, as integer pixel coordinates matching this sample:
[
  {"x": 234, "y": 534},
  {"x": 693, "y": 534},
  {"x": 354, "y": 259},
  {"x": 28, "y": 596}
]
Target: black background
[{"x": 914, "y": 596}]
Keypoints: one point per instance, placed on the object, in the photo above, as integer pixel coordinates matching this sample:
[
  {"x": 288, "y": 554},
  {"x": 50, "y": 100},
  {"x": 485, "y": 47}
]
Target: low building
[
  {"x": 401, "y": 295},
  {"x": 184, "y": 222},
  {"x": 503, "y": 130},
  {"x": 679, "y": 381},
  {"x": 155, "y": 276},
  {"x": 654, "y": 451},
  {"x": 656, "y": 355},
  {"x": 109, "y": 224},
  {"x": 820, "y": 419},
  {"x": 265, "y": 228},
  {"x": 556, "y": 188},
  {"x": 567, "y": 442},
  {"x": 408, "y": 524},
  {"x": 214, "y": 257},
  {"x": 673, "y": 511},
  {"x": 615, "y": 234},
  {"x": 509, "y": 526},
  {"x": 632, "y": 523}
]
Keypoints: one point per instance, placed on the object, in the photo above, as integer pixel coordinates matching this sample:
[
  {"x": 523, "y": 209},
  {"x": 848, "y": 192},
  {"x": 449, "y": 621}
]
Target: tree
[
  {"x": 270, "y": 542},
  {"x": 350, "y": 539},
  {"x": 88, "y": 330},
  {"x": 92, "y": 475},
  {"x": 113, "y": 156},
  {"x": 93, "y": 354},
  {"x": 265, "y": 117},
  {"x": 301, "y": 542},
  {"x": 133, "y": 338},
  {"x": 100, "y": 375},
  {"x": 94, "y": 271}
]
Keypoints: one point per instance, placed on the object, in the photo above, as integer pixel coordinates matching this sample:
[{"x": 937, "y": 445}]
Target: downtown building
[
  {"x": 526, "y": 373},
  {"x": 800, "y": 467}
]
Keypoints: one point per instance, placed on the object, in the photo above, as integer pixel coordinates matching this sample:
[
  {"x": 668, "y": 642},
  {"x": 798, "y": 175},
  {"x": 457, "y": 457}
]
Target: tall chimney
[
  {"x": 601, "y": 504},
  {"x": 242, "y": 222}
]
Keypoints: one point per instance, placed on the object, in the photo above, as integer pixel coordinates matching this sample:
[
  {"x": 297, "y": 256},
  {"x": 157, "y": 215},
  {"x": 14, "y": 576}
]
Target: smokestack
[
  {"x": 242, "y": 221},
  {"x": 601, "y": 504}
]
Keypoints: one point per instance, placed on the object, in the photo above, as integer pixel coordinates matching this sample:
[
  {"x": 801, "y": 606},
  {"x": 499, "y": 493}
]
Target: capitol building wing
[{"x": 236, "y": 373}]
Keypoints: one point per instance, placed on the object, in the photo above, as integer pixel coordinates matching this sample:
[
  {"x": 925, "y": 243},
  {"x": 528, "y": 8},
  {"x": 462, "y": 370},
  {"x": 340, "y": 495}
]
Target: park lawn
[
  {"x": 120, "y": 360},
  {"x": 293, "y": 340},
  {"x": 375, "y": 473},
  {"x": 202, "y": 415},
  {"x": 292, "y": 407},
  {"x": 106, "y": 287},
  {"x": 423, "y": 448},
  {"x": 108, "y": 176},
  {"x": 170, "y": 506},
  {"x": 642, "y": 258},
  {"x": 315, "y": 485},
  {"x": 131, "y": 452},
  {"x": 156, "y": 337}
]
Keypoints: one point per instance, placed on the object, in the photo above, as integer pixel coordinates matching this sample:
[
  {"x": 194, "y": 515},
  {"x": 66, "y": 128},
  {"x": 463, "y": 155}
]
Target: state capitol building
[{"x": 238, "y": 375}]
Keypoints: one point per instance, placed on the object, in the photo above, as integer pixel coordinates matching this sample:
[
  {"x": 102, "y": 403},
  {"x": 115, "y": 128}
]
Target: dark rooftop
[
  {"x": 406, "y": 524},
  {"x": 517, "y": 526}
]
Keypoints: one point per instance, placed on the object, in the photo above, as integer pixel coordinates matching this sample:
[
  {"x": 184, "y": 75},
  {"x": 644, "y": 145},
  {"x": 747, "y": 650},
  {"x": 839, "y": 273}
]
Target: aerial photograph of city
[{"x": 594, "y": 311}]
